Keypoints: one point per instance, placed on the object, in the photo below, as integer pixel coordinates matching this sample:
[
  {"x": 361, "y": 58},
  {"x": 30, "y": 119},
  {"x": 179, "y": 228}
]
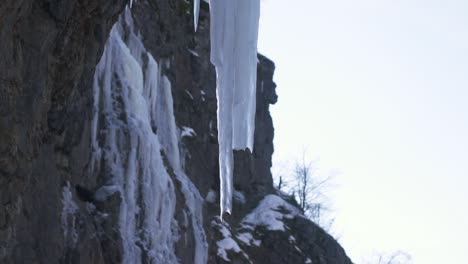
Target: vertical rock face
[
  {"x": 49, "y": 50},
  {"x": 108, "y": 143}
]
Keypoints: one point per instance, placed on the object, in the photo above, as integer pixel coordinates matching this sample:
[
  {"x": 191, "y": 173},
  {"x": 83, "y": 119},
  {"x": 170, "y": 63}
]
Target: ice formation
[
  {"x": 131, "y": 99},
  {"x": 67, "y": 216},
  {"x": 196, "y": 12},
  {"x": 234, "y": 34}
]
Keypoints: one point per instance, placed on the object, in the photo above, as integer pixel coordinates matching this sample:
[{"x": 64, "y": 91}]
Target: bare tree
[
  {"x": 281, "y": 183},
  {"x": 309, "y": 193}
]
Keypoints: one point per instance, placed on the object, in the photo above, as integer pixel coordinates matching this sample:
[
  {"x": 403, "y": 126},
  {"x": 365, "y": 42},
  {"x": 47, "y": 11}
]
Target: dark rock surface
[{"x": 49, "y": 51}]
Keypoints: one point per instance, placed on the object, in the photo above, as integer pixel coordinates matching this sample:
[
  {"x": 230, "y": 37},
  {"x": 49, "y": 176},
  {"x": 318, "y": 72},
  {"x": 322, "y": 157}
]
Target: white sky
[{"x": 378, "y": 89}]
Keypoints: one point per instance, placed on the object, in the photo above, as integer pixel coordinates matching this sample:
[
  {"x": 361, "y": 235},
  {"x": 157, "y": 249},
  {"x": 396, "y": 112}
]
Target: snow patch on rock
[
  {"x": 248, "y": 239},
  {"x": 270, "y": 213},
  {"x": 187, "y": 132},
  {"x": 226, "y": 243}
]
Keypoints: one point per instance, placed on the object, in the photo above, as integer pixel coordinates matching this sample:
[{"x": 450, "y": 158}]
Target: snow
[
  {"x": 202, "y": 93},
  {"x": 187, "y": 132},
  {"x": 227, "y": 243},
  {"x": 291, "y": 239},
  {"x": 68, "y": 219},
  {"x": 248, "y": 239},
  {"x": 269, "y": 213},
  {"x": 234, "y": 34}
]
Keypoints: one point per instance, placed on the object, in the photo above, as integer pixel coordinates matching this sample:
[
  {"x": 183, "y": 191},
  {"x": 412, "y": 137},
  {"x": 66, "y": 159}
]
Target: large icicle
[{"x": 234, "y": 34}]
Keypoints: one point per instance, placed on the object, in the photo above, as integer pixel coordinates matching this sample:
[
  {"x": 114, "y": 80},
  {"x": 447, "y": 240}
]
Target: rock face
[
  {"x": 55, "y": 207},
  {"x": 49, "y": 51}
]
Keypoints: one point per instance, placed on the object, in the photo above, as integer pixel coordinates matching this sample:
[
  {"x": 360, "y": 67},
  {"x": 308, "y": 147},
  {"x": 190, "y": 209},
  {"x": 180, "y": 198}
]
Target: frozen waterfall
[{"x": 133, "y": 100}]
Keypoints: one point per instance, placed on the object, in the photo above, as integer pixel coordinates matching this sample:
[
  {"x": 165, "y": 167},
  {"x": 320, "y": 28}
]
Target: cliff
[{"x": 108, "y": 143}]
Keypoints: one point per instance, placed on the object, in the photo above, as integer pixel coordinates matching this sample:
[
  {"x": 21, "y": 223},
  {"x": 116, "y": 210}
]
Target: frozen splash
[
  {"x": 132, "y": 100},
  {"x": 234, "y": 34}
]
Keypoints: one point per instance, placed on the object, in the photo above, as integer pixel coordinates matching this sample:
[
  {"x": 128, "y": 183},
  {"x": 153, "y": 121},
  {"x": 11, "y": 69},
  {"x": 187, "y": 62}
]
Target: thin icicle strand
[{"x": 196, "y": 13}]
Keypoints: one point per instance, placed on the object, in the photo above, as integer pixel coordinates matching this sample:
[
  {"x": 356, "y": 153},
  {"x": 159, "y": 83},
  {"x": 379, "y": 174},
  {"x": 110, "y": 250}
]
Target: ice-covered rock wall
[
  {"x": 132, "y": 128},
  {"x": 109, "y": 143}
]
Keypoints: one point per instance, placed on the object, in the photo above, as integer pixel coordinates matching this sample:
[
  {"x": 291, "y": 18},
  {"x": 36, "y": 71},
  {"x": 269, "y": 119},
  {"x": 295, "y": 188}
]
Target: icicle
[
  {"x": 196, "y": 13},
  {"x": 234, "y": 34},
  {"x": 68, "y": 218}
]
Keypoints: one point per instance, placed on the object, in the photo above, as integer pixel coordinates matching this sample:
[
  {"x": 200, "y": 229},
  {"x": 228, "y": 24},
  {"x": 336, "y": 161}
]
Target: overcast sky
[{"x": 378, "y": 90}]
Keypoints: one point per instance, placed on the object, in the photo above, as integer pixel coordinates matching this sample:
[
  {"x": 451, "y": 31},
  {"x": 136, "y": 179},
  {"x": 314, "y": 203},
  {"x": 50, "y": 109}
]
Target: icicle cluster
[{"x": 234, "y": 34}]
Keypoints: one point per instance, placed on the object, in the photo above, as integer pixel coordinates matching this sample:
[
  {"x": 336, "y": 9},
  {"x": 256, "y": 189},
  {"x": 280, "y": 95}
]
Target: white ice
[
  {"x": 68, "y": 219},
  {"x": 168, "y": 136},
  {"x": 196, "y": 13},
  {"x": 234, "y": 34},
  {"x": 127, "y": 150}
]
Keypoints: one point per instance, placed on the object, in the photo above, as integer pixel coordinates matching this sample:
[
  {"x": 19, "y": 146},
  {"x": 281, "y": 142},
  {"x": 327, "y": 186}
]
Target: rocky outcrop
[{"x": 51, "y": 209}]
